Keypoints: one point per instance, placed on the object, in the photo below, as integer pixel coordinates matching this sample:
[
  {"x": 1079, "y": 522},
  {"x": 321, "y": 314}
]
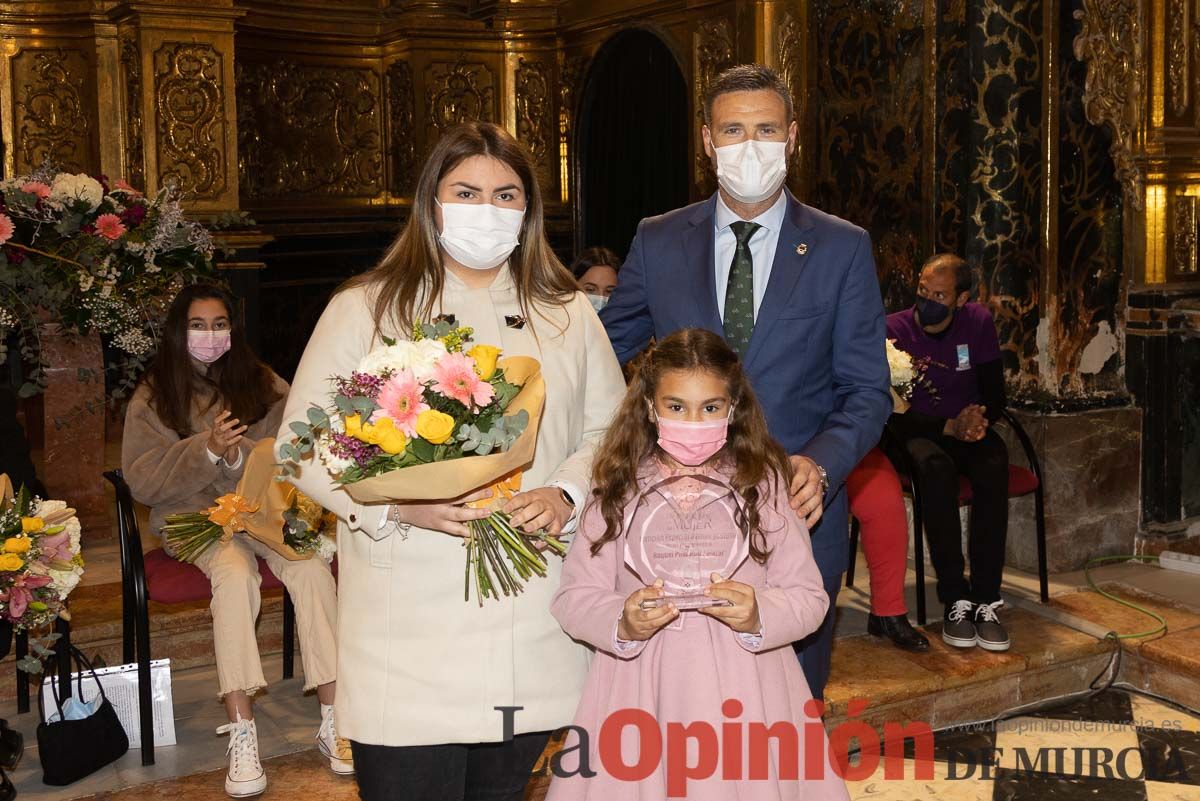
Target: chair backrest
[{"x": 130, "y": 535}]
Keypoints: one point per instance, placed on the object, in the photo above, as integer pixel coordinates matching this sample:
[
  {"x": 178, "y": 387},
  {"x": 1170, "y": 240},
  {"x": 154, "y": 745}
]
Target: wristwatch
[
  {"x": 824, "y": 479},
  {"x": 569, "y": 501}
]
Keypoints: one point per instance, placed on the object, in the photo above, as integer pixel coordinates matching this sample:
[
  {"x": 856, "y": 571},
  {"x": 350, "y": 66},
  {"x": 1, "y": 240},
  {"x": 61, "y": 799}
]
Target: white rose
[
  {"x": 67, "y": 188},
  {"x": 336, "y": 464},
  {"x": 419, "y": 357},
  {"x": 45, "y": 508},
  {"x": 64, "y": 581},
  {"x": 900, "y": 364},
  {"x": 326, "y": 548}
]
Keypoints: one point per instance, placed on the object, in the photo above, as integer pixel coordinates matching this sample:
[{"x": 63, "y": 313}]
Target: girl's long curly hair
[{"x": 757, "y": 459}]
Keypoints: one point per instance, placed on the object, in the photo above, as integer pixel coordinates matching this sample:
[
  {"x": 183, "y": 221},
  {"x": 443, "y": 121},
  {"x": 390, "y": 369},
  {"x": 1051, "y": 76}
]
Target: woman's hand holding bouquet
[{"x": 422, "y": 420}]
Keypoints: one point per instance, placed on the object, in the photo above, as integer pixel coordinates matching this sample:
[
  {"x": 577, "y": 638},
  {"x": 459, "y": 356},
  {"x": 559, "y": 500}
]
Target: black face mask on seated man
[{"x": 931, "y": 313}]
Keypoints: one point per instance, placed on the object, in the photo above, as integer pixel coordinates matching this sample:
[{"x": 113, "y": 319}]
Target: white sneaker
[
  {"x": 337, "y": 749},
  {"x": 246, "y": 776}
]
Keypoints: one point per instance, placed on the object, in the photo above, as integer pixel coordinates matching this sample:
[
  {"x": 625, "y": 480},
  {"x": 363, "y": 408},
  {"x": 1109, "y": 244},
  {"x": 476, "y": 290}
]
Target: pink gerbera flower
[
  {"x": 36, "y": 188},
  {"x": 401, "y": 399},
  {"x": 110, "y": 226},
  {"x": 454, "y": 376},
  {"x": 6, "y": 228}
]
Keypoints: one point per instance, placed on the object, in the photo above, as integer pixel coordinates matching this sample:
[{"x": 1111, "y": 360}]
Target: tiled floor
[{"x": 1113, "y": 746}]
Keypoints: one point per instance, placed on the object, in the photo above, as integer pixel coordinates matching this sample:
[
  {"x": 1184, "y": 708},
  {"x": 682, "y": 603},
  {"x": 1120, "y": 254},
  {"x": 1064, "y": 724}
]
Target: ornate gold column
[{"x": 178, "y": 113}]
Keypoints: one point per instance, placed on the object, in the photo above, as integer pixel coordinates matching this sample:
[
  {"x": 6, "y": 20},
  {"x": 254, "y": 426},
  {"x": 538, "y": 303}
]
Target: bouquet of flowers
[
  {"x": 273, "y": 512},
  {"x": 431, "y": 418},
  {"x": 40, "y": 564},
  {"x": 89, "y": 255},
  {"x": 907, "y": 373}
]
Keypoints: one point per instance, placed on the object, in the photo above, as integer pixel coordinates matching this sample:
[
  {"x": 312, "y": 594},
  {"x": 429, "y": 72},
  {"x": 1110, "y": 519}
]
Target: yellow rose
[
  {"x": 485, "y": 357},
  {"x": 10, "y": 563},
  {"x": 354, "y": 426},
  {"x": 435, "y": 426},
  {"x": 16, "y": 545},
  {"x": 32, "y": 524},
  {"x": 394, "y": 442}
]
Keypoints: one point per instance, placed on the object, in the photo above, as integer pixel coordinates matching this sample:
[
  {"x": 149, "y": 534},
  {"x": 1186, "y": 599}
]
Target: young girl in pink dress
[{"x": 689, "y": 508}]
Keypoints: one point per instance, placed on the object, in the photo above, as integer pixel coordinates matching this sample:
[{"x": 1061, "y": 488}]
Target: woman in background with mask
[
  {"x": 205, "y": 402},
  {"x": 424, "y": 673},
  {"x": 595, "y": 272}
]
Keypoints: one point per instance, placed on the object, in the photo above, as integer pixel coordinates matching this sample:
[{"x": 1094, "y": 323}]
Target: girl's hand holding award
[
  {"x": 642, "y": 618},
  {"x": 741, "y": 613}
]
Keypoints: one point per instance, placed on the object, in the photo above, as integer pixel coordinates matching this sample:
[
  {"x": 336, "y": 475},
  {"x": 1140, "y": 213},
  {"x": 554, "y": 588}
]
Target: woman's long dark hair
[
  {"x": 237, "y": 380},
  {"x": 757, "y": 459},
  {"x": 409, "y": 278}
]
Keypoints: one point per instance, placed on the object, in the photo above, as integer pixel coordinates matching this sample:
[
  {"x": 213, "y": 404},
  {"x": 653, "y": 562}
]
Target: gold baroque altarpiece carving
[
  {"x": 189, "y": 105},
  {"x": 457, "y": 92},
  {"x": 53, "y": 121},
  {"x": 309, "y": 129}
]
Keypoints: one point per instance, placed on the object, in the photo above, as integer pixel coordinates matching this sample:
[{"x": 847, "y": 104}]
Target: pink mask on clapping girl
[{"x": 208, "y": 346}]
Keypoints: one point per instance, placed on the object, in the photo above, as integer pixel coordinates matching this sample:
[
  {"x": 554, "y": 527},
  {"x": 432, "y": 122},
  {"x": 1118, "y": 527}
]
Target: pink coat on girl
[{"x": 687, "y": 671}]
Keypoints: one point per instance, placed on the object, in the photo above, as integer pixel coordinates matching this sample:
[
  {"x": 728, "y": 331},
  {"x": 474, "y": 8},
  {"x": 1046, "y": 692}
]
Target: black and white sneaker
[
  {"x": 989, "y": 634},
  {"x": 958, "y": 627}
]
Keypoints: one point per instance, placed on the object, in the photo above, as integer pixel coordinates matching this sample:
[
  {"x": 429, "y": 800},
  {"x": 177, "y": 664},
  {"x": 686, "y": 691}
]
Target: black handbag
[{"x": 73, "y": 749}]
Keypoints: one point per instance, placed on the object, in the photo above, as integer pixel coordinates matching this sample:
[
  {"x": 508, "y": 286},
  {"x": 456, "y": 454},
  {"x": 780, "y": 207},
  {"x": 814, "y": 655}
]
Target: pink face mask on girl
[
  {"x": 690, "y": 443},
  {"x": 208, "y": 346}
]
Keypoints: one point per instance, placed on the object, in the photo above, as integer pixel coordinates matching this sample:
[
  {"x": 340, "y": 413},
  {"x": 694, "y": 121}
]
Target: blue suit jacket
[{"x": 816, "y": 359}]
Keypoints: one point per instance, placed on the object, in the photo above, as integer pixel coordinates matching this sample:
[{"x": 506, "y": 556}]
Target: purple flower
[
  {"x": 133, "y": 215},
  {"x": 345, "y": 446},
  {"x": 363, "y": 384}
]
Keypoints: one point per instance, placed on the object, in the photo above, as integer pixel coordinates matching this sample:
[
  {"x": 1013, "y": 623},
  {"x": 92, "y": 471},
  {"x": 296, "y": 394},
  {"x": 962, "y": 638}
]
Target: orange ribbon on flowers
[
  {"x": 502, "y": 490},
  {"x": 228, "y": 514}
]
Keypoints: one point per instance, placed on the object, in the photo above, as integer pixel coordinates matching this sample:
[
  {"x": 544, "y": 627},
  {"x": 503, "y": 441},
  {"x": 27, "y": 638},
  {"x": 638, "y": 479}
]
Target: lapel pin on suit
[{"x": 801, "y": 249}]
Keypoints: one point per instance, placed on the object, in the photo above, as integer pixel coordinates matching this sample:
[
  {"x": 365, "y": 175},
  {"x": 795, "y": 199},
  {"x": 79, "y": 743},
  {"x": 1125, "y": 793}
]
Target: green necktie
[{"x": 739, "y": 293}]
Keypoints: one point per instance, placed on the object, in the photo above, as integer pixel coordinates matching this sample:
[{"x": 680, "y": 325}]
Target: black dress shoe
[
  {"x": 897, "y": 629},
  {"x": 7, "y": 791}
]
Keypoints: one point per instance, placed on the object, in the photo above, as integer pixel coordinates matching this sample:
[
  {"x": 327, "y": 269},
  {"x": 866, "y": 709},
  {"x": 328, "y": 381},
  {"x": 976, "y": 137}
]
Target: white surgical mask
[
  {"x": 751, "y": 171},
  {"x": 479, "y": 235},
  {"x": 598, "y": 302}
]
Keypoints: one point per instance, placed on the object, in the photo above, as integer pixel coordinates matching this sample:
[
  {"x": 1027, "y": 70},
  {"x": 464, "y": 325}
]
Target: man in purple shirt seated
[{"x": 948, "y": 433}]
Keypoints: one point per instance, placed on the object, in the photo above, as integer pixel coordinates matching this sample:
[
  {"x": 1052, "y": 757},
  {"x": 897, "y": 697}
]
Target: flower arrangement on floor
[
  {"x": 435, "y": 417},
  {"x": 40, "y": 564},
  {"x": 88, "y": 255}
]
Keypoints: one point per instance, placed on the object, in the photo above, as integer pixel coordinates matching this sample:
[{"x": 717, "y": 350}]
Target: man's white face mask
[{"x": 752, "y": 171}]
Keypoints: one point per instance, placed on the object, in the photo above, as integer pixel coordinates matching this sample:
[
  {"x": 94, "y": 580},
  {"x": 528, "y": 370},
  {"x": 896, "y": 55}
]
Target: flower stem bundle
[
  {"x": 500, "y": 558},
  {"x": 191, "y": 534}
]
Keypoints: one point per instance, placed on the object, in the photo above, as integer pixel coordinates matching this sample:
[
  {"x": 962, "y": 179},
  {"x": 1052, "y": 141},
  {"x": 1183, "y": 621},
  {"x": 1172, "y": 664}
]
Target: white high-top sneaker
[
  {"x": 337, "y": 749},
  {"x": 246, "y": 776}
]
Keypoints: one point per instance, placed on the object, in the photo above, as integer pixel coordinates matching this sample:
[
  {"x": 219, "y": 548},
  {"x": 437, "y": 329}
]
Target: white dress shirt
[{"x": 762, "y": 248}]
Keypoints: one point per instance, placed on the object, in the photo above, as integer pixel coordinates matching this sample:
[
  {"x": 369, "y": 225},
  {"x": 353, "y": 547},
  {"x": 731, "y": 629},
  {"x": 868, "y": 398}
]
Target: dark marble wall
[
  {"x": 878, "y": 118},
  {"x": 867, "y": 130},
  {"x": 1085, "y": 349},
  {"x": 1004, "y": 188}
]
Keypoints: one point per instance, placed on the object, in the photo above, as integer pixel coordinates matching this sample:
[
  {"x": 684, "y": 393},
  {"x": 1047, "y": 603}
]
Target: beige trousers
[{"x": 233, "y": 572}]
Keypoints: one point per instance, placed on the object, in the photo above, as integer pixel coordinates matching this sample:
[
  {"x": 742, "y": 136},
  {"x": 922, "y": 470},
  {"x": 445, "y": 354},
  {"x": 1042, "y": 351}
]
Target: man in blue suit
[{"x": 792, "y": 289}]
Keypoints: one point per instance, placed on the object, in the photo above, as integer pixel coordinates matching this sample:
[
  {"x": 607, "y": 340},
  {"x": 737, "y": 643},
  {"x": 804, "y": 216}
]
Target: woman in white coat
[{"x": 422, "y": 673}]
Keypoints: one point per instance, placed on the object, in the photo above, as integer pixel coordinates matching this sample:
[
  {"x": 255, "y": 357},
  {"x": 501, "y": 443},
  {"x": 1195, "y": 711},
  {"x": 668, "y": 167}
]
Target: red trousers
[{"x": 877, "y": 502}]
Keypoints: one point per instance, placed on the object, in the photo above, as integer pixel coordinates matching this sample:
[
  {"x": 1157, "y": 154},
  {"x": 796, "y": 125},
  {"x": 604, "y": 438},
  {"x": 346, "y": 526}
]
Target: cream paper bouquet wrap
[
  {"x": 262, "y": 506},
  {"x": 435, "y": 418}
]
